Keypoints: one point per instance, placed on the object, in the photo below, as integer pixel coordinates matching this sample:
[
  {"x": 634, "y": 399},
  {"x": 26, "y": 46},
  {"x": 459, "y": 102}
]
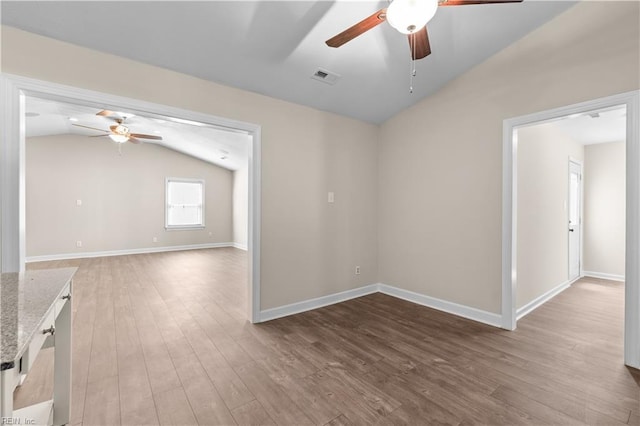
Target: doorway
[
  {"x": 575, "y": 219},
  {"x": 631, "y": 101},
  {"x": 14, "y": 92}
]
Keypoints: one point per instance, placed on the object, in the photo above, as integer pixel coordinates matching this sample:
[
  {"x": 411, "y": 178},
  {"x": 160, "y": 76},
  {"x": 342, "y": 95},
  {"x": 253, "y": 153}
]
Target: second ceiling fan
[
  {"x": 119, "y": 132},
  {"x": 408, "y": 17}
]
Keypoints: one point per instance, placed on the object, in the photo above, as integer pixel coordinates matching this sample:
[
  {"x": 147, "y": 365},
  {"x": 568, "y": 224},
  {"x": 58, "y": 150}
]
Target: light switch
[
  {"x": 78, "y": 202},
  {"x": 330, "y": 197}
]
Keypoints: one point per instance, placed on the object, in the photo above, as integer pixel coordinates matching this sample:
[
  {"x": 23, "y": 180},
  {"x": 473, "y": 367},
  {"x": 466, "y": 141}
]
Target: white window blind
[{"x": 185, "y": 203}]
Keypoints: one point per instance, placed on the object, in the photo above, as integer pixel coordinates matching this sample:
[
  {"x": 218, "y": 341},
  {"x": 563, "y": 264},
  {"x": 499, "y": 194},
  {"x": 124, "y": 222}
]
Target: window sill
[{"x": 184, "y": 228}]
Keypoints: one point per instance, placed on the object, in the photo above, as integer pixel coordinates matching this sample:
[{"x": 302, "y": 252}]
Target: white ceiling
[
  {"x": 601, "y": 126},
  {"x": 225, "y": 148},
  {"x": 273, "y": 47}
]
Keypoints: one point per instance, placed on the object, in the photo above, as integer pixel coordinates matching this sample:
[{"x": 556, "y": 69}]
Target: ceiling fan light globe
[
  {"x": 409, "y": 16},
  {"x": 119, "y": 138}
]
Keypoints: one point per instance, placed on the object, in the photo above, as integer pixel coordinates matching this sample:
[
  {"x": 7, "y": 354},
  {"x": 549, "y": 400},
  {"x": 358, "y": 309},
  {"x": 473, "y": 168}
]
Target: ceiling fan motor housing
[
  {"x": 409, "y": 16},
  {"x": 120, "y": 129}
]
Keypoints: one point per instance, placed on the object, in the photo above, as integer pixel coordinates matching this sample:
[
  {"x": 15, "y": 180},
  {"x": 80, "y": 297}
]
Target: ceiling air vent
[{"x": 326, "y": 76}]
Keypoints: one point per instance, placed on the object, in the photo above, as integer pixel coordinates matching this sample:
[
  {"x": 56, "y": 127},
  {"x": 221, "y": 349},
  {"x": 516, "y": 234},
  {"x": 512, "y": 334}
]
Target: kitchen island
[{"x": 35, "y": 312}]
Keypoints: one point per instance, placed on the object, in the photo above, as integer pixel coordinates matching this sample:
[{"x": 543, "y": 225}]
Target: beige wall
[
  {"x": 543, "y": 189},
  {"x": 309, "y": 248},
  {"x": 440, "y": 174},
  {"x": 123, "y": 196},
  {"x": 604, "y": 208},
  {"x": 241, "y": 206}
]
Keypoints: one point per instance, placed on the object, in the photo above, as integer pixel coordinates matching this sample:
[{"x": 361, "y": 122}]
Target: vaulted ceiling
[
  {"x": 274, "y": 47},
  {"x": 223, "y": 147}
]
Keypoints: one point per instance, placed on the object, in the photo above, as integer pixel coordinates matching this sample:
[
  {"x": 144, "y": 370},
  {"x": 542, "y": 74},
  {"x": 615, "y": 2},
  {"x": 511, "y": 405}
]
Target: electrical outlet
[
  {"x": 357, "y": 270},
  {"x": 78, "y": 243},
  {"x": 155, "y": 239}
]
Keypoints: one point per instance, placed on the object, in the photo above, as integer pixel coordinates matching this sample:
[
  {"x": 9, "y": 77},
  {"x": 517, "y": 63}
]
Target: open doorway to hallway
[
  {"x": 510, "y": 273},
  {"x": 571, "y": 203}
]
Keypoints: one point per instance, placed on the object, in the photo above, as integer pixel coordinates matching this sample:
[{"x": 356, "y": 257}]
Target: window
[{"x": 185, "y": 203}]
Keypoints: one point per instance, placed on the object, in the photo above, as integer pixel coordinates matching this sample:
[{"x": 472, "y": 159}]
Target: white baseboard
[
  {"x": 240, "y": 246},
  {"x": 431, "y": 302},
  {"x": 542, "y": 299},
  {"x": 603, "y": 276},
  {"x": 468, "y": 312},
  {"x": 66, "y": 256},
  {"x": 318, "y": 302}
]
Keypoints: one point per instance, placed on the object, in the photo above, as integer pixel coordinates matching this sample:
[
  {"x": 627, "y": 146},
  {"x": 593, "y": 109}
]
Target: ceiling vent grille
[{"x": 326, "y": 76}]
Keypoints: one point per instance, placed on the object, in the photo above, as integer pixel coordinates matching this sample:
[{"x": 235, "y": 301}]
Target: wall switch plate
[
  {"x": 78, "y": 243},
  {"x": 357, "y": 270},
  {"x": 155, "y": 239},
  {"x": 78, "y": 202},
  {"x": 330, "y": 197}
]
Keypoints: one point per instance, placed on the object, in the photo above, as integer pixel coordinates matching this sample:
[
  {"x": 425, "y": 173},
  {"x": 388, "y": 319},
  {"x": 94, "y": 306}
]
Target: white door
[{"x": 575, "y": 218}]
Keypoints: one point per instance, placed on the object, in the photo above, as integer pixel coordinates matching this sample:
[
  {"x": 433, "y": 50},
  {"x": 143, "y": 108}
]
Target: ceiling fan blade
[
  {"x": 112, "y": 115},
  {"x": 98, "y": 136},
  {"x": 358, "y": 29},
  {"x": 422, "y": 47},
  {"x": 88, "y": 127},
  {"x": 143, "y": 136},
  {"x": 466, "y": 2},
  {"x": 134, "y": 140}
]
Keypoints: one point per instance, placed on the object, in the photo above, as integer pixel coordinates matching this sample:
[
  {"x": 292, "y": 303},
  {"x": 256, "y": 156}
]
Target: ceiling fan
[
  {"x": 408, "y": 17},
  {"x": 119, "y": 132}
]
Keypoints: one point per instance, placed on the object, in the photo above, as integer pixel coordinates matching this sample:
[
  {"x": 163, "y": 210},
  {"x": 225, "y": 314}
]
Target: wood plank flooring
[{"x": 162, "y": 339}]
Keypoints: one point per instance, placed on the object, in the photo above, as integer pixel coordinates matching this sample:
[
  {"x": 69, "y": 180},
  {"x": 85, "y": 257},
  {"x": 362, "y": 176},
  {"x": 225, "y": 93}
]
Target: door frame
[
  {"x": 580, "y": 213},
  {"x": 509, "y": 212},
  {"x": 14, "y": 89}
]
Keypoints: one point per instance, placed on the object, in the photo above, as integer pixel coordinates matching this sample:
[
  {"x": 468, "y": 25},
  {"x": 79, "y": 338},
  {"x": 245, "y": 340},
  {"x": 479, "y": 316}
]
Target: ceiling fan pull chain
[
  {"x": 410, "y": 72},
  {"x": 411, "y": 83},
  {"x": 412, "y": 62}
]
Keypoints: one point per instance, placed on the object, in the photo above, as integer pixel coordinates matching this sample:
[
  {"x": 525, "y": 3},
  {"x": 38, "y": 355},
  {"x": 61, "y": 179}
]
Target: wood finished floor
[{"x": 161, "y": 339}]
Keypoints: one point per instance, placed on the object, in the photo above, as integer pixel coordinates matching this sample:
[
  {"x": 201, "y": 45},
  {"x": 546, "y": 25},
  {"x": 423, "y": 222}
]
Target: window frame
[{"x": 169, "y": 227}]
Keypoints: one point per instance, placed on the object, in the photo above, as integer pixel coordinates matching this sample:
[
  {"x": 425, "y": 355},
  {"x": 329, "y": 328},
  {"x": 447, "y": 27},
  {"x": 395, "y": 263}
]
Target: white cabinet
[{"x": 35, "y": 310}]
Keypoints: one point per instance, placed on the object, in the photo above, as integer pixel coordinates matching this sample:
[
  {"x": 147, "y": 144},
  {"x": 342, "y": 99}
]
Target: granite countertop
[{"x": 26, "y": 298}]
